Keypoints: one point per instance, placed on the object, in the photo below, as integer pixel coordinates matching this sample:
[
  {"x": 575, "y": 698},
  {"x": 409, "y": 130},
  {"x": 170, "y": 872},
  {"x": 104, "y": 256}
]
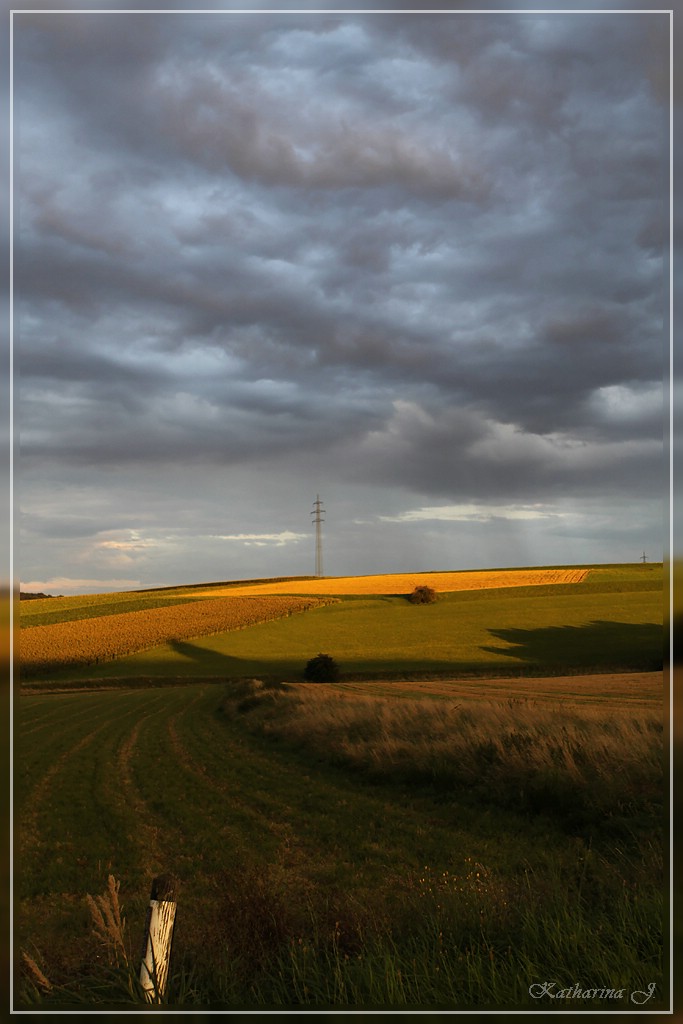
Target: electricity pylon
[{"x": 318, "y": 513}]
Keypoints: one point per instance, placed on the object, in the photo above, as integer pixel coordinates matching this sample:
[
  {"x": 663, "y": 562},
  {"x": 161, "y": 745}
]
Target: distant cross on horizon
[{"x": 318, "y": 513}]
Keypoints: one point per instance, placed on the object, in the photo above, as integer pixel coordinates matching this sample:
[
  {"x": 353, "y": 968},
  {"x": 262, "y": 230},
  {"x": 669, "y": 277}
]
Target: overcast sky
[{"x": 413, "y": 263}]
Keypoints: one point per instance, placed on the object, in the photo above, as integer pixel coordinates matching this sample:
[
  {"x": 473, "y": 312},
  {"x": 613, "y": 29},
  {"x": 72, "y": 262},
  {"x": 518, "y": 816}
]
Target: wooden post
[{"x": 156, "y": 948}]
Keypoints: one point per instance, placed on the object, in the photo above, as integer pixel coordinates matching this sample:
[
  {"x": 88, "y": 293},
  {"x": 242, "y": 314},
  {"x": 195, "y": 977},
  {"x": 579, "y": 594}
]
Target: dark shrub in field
[
  {"x": 422, "y": 595},
  {"x": 322, "y": 669}
]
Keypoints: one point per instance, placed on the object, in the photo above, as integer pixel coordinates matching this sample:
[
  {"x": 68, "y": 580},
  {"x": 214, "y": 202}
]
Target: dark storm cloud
[
  {"x": 419, "y": 252},
  {"x": 463, "y": 457},
  {"x": 66, "y": 527}
]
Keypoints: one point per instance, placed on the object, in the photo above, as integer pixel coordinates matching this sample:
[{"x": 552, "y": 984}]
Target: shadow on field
[
  {"x": 206, "y": 657},
  {"x": 620, "y": 645}
]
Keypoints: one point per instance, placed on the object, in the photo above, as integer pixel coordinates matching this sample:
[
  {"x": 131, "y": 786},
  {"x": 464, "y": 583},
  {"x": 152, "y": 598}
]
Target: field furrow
[
  {"x": 146, "y": 833},
  {"x": 32, "y": 806}
]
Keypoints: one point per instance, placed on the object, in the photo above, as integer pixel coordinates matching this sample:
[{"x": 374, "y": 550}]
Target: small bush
[
  {"x": 322, "y": 669},
  {"x": 422, "y": 595}
]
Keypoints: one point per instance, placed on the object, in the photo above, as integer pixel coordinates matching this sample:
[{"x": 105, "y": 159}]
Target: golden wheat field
[
  {"x": 404, "y": 583},
  {"x": 87, "y": 641}
]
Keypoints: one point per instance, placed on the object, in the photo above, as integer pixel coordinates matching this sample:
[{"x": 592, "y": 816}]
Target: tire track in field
[
  {"x": 222, "y": 787},
  {"x": 286, "y": 805},
  {"x": 155, "y": 839},
  {"x": 273, "y": 807},
  {"x": 29, "y": 832},
  {"x": 183, "y": 757},
  {"x": 165, "y": 845},
  {"x": 147, "y": 834},
  {"x": 49, "y": 721}
]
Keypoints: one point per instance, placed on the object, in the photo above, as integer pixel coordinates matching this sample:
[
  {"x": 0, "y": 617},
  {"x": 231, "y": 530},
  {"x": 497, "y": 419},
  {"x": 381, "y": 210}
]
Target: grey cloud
[
  {"x": 211, "y": 111},
  {"x": 248, "y": 129},
  {"x": 64, "y": 527},
  {"x": 420, "y": 255},
  {"x": 62, "y": 361},
  {"x": 460, "y": 455}
]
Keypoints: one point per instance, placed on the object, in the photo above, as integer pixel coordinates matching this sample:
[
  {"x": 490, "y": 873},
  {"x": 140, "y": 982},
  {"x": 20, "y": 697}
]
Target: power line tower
[
  {"x": 643, "y": 558},
  {"x": 318, "y": 513}
]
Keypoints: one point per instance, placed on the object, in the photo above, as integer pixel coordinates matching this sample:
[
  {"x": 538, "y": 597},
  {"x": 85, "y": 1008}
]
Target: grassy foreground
[{"x": 337, "y": 852}]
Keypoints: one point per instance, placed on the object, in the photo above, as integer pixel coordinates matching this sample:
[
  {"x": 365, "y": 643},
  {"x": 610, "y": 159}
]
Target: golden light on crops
[
  {"x": 404, "y": 583},
  {"x": 88, "y": 641}
]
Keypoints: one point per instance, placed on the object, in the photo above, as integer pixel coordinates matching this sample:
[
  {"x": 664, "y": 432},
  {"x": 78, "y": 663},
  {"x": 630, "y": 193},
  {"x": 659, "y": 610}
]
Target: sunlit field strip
[
  {"x": 401, "y": 583},
  {"x": 381, "y": 637},
  {"x": 88, "y": 641},
  {"x": 50, "y": 610}
]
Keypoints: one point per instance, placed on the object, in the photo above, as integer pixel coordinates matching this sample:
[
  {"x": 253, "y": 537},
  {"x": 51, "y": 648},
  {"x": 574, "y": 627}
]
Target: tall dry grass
[
  {"x": 108, "y": 967},
  {"x": 583, "y": 762},
  {"x": 108, "y": 922}
]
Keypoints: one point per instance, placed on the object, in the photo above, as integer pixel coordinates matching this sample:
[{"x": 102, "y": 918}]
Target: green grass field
[
  {"x": 611, "y": 621},
  {"x": 356, "y": 860},
  {"x": 305, "y": 883}
]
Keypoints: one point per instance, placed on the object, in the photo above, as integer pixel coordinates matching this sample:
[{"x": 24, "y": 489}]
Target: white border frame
[{"x": 350, "y": 11}]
